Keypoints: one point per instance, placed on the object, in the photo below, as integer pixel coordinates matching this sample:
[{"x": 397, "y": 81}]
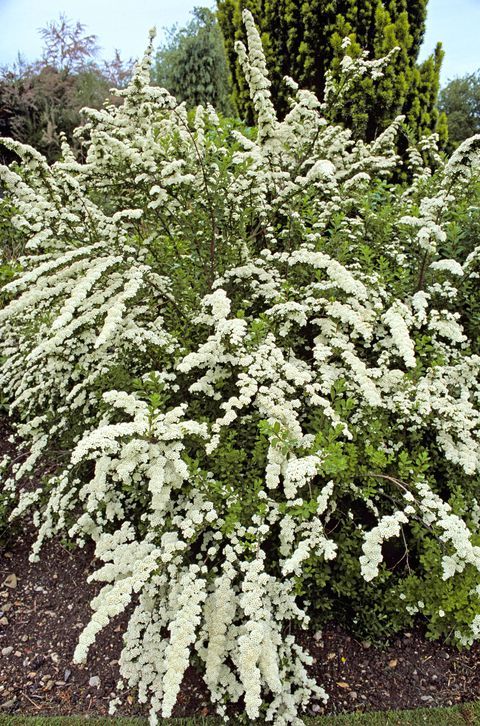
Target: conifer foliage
[
  {"x": 192, "y": 64},
  {"x": 303, "y": 39},
  {"x": 244, "y": 349}
]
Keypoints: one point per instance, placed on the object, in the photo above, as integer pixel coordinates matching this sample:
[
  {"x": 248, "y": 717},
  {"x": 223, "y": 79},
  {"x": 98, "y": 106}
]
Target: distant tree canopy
[
  {"x": 460, "y": 100},
  {"x": 39, "y": 101},
  {"x": 303, "y": 39},
  {"x": 192, "y": 63}
]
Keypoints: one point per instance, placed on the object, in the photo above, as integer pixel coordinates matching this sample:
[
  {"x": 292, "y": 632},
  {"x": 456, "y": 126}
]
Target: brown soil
[{"x": 411, "y": 673}]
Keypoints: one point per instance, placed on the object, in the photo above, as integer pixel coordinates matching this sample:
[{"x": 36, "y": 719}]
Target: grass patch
[{"x": 464, "y": 715}]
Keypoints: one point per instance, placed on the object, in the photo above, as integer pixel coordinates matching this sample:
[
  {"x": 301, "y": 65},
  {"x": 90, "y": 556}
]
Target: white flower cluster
[
  {"x": 312, "y": 534},
  {"x": 453, "y": 531},
  {"x": 389, "y": 526}
]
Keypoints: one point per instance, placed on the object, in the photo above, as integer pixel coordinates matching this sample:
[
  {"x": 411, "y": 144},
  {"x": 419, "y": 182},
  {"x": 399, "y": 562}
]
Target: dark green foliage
[
  {"x": 303, "y": 39},
  {"x": 192, "y": 63},
  {"x": 460, "y": 101}
]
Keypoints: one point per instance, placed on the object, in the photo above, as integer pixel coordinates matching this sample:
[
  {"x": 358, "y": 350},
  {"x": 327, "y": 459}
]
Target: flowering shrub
[{"x": 245, "y": 349}]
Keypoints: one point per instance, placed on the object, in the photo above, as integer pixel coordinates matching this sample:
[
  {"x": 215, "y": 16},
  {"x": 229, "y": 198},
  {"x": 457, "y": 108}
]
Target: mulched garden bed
[{"x": 45, "y": 605}]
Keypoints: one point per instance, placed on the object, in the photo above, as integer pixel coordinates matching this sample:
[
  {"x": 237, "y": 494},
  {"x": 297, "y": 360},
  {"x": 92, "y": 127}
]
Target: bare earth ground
[{"x": 45, "y": 605}]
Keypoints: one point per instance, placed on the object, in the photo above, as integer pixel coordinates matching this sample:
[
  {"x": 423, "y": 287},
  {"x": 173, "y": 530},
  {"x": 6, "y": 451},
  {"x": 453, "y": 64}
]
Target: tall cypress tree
[{"x": 303, "y": 39}]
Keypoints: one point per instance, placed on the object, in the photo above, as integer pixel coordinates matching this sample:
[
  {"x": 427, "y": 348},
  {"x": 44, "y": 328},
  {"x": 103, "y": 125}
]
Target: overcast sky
[{"x": 124, "y": 24}]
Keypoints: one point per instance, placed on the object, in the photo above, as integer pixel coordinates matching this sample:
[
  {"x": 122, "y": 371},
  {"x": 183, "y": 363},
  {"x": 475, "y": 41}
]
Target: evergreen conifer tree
[{"x": 303, "y": 39}]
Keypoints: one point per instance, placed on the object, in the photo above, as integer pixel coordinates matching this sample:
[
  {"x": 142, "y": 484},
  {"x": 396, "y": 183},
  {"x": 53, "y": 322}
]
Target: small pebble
[
  {"x": 8, "y": 650},
  {"x": 11, "y": 581},
  {"x": 94, "y": 682},
  {"x": 8, "y": 704}
]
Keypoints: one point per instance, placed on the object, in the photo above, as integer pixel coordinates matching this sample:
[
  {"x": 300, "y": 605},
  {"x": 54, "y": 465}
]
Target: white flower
[{"x": 451, "y": 266}]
